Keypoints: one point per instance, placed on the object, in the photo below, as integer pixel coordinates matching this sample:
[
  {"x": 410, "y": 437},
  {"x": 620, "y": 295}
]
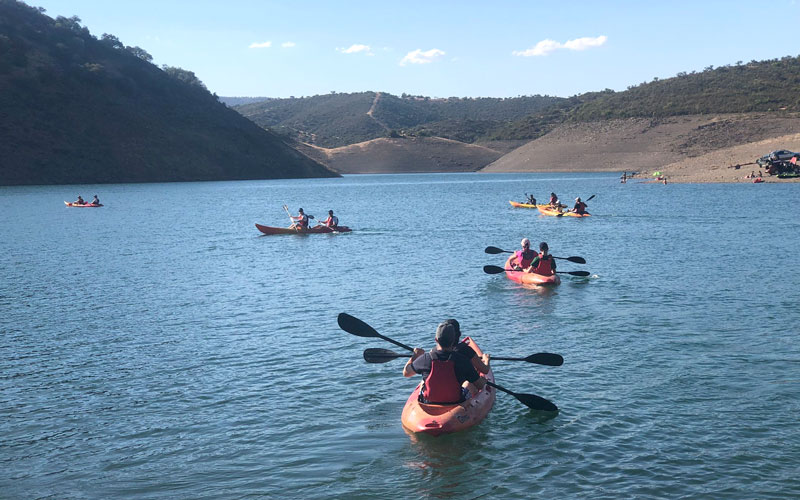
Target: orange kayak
[
  {"x": 547, "y": 210},
  {"x": 444, "y": 419},
  {"x": 530, "y": 278},
  {"x": 82, "y": 205},
  {"x": 310, "y": 230}
]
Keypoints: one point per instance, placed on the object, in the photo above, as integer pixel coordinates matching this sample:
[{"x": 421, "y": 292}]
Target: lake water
[{"x": 160, "y": 347}]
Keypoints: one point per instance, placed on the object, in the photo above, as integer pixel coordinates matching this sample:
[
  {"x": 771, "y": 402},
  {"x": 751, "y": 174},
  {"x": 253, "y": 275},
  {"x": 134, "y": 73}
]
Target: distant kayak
[
  {"x": 758, "y": 181},
  {"x": 517, "y": 204},
  {"x": 444, "y": 419},
  {"x": 547, "y": 210},
  {"x": 530, "y": 278},
  {"x": 310, "y": 230},
  {"x": 82, "y": 205}
]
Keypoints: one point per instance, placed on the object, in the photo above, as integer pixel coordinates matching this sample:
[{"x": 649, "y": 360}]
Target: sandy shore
[{"x": 719, "y": 166}]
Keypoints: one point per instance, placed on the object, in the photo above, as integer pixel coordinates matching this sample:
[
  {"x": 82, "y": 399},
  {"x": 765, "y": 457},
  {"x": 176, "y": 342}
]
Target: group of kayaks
[{"x": 549, "y": 210}]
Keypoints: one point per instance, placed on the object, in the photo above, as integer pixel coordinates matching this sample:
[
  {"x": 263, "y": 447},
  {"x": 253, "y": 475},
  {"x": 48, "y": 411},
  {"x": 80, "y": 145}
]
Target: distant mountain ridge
[
  {"x": 724, "y": 106},
  {"x": 77, "y": 109},
  {"x": 336, "y": 119}
]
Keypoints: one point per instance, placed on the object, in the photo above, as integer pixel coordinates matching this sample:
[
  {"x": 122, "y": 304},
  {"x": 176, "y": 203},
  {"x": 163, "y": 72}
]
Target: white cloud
[
  {"x": 287, "y": 45},
  {"x": 422, "y": 57},
  {"x": 355, "y": 49},
  {"x": 547, "y": 46},
  {"x": 260, "y": 45},
  {"x": 585, "y": 42}
]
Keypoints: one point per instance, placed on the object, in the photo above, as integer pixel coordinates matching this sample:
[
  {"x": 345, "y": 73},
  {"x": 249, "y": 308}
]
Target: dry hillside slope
[
  {"x": 403, "y": 155},
  {"x": 640, "y": 144}
]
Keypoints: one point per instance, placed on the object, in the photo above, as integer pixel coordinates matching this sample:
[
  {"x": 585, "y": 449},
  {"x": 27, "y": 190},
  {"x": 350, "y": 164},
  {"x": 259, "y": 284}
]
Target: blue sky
[{"x": 440, "y": 48}]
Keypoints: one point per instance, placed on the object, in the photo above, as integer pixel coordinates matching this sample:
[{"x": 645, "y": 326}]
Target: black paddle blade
[
  {"x": 545, "y": 358},
  {"x": 590, "y": 198},
  {"x": 535, "y": 402},
  {"x": 353, "y": 325},
  {"x": 577, "y": 260},
  {"x": 495, "y": 250},
  {"x": 578, "y": 273},
  {"x": 493, "y": 269},
  {"x": 375, "y": 355}
]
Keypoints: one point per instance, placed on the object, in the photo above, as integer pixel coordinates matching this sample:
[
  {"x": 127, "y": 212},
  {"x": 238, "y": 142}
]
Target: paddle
[
  {"x": 355, "y": 326},
  {"x": 532, "y": 401},
  {"x": 495, "y": 250},
  {"x": 377, "y": 355},
  {"x": 498, "y": 270}
]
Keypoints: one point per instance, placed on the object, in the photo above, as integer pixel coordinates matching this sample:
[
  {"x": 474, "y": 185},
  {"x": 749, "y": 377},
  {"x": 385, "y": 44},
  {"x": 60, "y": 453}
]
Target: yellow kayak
[
  {"x": 548, "y": 210},
  {"x": 517, "y": 204}
]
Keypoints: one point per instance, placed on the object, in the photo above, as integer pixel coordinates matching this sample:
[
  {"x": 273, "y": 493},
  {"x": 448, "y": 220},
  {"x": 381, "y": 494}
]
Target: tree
[
  {"x": 140, "y": 53},
  {"x": 111, "y": 41},
  {"x": 183, "y": 75}
]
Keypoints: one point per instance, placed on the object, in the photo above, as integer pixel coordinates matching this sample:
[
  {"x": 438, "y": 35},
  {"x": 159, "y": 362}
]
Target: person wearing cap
[
  {"x": 332, "y": 221},
  {"x": 96, "y": 200},
  {"x": 302, "y": 220},
  {"x": 544, "y": 263},
  {"x": 79, "y": 201},
  {"x": 523, "y": 258},
  {"x": 580, "y": 207},
  {"x": 444, "y": 370},
  {"x": 480, "y": 364}
]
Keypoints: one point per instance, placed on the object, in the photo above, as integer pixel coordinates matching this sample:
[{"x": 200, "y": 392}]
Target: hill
[
  {"x": 336, "y": 120},
  {"x": 648, "y": 144},
  {"x": 404, "y": 155},
  {"x": 77, "y": 109}
]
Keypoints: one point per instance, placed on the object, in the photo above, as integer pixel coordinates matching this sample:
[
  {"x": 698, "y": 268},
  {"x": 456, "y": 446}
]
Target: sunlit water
[{"x": 160, "y": 347}]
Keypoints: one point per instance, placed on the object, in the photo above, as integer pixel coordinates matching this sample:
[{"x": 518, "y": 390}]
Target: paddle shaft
[
  {"x": 377, "y": 355},
  {"x": 497, "y": 270},
  {"x": 495, "y": 250}
]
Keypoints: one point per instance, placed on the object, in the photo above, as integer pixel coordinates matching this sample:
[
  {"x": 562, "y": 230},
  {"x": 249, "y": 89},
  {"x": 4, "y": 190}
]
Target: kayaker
[
  {"x": 302, "y": 220},
  {"x": 544, "y": 263},
  {"x": 531, "y": 199},
  {"x": 554, "y": 201},
  {"x": 580, "y": 207},
  {"x": 480, "y": 364},
  {"x": 332, "y": 221},
  {"x": 524, "y": 257},
  {"x": 79, "y": 201},
  {"x": 444, "y": 370},
  {"x": 96, "y": 200}
]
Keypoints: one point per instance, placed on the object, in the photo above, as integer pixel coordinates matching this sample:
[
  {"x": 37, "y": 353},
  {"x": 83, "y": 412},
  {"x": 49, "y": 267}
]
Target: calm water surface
[{"x": 160, "y": 347}]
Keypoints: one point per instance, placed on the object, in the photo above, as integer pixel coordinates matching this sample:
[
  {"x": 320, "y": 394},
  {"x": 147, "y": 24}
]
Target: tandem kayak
[
  {"x": 83, "y": 205},
  {"x": 517, "y": 204},
  {"x": 530, "y": 278},
  {"x": 310, "y": 230},
  {"x": 546, "y": 210},
  {"x": 445, "y": 419}
]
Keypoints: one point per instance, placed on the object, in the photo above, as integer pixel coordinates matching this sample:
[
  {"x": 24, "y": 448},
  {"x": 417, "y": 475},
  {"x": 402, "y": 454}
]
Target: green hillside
[
  {"x": 771, "y": 86},
  {"x": 335, "y": 120},
  {"x": 77, "y": 109}
]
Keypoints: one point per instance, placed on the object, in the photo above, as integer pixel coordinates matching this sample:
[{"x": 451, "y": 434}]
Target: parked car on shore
[{"x": 776, "y": 156}]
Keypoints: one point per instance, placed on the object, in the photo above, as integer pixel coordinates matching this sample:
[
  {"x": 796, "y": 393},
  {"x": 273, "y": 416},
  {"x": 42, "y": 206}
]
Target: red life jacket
[
  {"x": 441, "y": 384},
  {"x": 544, "y": 266},
  {"x": 522, "y": 261}
]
